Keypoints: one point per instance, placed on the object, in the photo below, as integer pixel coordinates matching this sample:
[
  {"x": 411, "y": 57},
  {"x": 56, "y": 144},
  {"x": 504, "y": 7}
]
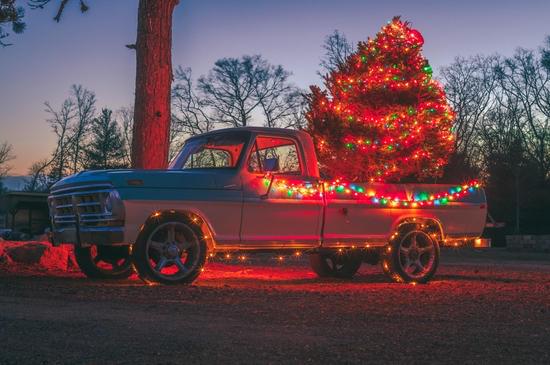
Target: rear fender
[{"x": 430, "y": 224}]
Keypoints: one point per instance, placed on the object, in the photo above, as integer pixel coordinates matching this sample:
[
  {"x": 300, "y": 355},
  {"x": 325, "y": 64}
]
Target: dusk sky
[{"x": 88, "y": 49}]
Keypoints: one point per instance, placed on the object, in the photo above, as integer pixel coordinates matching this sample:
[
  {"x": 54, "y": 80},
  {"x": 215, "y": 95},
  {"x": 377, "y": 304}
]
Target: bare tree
[
  {"x": 126, "y": 116},
  {"x": 39, "y": 179},
  {"x": 176, "y": 138},
  {"x": 6, "y": 155},
  {"x": 503, "y": 148},
  {"x": 234, "y": 92},
  {"x": 236, "y": 89},
  {"x": 285, "y": 110},
  {"x": 60, "y": 121},
  {"x": 230, "y": 88},
  {"x": 545, "y": 54},
  {"x": 524, "y": 78},
  {"x": 499, "y": 133},
  {"x": 71, "y": 124},
  {"x": 503, "y": 126},
  {"x": 278, "y": 99},
  {"x": 190, "y": 114},
  {"x": 336, "y": 49},
  {"x": 84, "y": 100},
  {"x": 296, "y": 118},
  {"x": 469, "y": 86}
]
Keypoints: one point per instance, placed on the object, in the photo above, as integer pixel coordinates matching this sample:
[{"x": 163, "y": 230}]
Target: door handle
[{"x": 229, "y": 186}]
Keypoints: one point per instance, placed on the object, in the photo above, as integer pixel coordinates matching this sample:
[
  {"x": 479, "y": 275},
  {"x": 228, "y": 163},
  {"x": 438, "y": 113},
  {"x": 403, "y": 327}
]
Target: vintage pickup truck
[{"x": 256, "y": 189}]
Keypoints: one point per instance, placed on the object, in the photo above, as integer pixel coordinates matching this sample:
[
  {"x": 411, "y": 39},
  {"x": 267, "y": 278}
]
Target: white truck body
[{"x": 238, "y": 215}]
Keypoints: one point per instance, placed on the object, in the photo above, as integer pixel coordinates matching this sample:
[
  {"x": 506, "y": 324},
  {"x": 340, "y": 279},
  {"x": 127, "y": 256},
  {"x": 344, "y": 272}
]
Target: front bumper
[{"x": 108, "y": 236}]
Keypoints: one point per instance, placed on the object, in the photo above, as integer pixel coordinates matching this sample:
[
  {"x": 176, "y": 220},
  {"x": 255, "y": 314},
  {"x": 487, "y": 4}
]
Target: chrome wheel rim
[
  {"x": 173, "y": 250},
  {"x": 416, "y": 254}
]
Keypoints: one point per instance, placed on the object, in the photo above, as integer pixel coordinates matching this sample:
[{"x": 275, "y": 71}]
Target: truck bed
[{"x": 378, "y": 209}]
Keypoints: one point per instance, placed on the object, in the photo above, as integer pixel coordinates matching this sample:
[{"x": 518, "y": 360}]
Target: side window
[{"x": 274, "y": 154}]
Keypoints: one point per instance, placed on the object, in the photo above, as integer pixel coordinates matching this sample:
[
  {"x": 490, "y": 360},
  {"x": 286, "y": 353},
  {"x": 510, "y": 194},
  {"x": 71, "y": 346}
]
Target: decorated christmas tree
[{"x": 382, "y": 116}]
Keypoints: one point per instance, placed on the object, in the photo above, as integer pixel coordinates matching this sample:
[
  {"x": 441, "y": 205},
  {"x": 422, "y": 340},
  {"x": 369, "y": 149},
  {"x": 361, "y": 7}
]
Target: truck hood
[{"x": 161, "y": 179}]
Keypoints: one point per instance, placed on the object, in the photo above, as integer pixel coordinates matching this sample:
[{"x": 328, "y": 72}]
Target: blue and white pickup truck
[{"x": 255, "y": 189}]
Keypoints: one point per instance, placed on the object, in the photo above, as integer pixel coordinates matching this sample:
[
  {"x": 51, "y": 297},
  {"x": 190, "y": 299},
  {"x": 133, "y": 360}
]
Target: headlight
[{"x": 112, "y": 201}]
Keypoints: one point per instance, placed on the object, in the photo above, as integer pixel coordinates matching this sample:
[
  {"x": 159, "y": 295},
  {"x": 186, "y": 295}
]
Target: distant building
[{"x": 24, "y": 212}]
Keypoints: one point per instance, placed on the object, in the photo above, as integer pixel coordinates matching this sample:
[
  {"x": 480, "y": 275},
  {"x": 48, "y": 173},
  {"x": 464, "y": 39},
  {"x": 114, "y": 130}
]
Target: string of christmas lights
[{"x": 339, "y": 189}]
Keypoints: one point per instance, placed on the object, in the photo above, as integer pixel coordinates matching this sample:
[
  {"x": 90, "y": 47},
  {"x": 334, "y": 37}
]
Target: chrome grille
[{"x": 87, "y": 203}]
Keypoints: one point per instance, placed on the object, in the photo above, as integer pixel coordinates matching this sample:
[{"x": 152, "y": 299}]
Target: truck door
[{"x": 281, "y": 206}]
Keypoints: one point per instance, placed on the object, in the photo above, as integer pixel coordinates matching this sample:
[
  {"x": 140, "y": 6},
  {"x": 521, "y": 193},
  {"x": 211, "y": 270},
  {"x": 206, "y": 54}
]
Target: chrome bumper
[{"x": 108, "y": 236}]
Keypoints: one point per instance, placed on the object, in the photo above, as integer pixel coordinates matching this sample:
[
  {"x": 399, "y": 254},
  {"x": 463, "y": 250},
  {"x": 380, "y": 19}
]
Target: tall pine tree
[
  {"x": 106, "y": 149},
  {"x": 382, "y": 116}
]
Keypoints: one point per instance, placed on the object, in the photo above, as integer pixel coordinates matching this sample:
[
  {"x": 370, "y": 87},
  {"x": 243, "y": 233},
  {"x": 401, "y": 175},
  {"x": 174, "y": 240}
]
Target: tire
[
  {"x": 169, "y": 250},
  {"x": 104, "y": 262},
  {"x": 334, "y": 264},
  {"x": 411, "y": 257}
]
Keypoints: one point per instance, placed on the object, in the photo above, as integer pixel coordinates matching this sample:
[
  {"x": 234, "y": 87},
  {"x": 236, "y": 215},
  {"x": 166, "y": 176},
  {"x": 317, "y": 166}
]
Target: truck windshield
[{"x": 211, "y": 152}]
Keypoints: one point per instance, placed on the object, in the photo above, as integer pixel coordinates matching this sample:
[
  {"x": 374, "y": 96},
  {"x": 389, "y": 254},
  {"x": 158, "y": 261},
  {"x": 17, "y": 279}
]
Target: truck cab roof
[{"x": 256, "y": 130}]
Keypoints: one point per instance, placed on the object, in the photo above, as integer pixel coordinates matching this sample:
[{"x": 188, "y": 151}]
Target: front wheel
[
  {"x": 411, "y": 257},
  {"x": 335, "y": 264},
  {"x": 169, "y": 250},
  {"x": 104, "y": 262}
]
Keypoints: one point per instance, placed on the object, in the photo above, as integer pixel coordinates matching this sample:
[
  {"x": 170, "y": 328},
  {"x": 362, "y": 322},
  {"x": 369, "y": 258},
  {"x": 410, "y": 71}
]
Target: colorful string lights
[
  {"x": 382, "y": 116},
  {"x": 339, "y": 189}
]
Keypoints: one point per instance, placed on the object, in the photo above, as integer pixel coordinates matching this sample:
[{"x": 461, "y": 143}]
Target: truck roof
[{"x": 254, "y": 129}]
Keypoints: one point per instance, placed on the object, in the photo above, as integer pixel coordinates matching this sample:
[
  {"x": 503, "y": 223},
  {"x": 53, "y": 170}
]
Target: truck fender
[
  {"x": 432, "y": 224},
  {"x": 192, "y": 218}
]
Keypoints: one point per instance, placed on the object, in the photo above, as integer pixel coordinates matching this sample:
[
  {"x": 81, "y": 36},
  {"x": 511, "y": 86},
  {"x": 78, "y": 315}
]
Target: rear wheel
[
  {"x": 169, "y": 251},
  {"x": 411, "y": 257},
  {"x": 335, "y": 264},
  {"x": 104, "y": 262}
]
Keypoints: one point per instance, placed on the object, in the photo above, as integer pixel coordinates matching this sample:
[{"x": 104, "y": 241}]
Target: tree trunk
[{"x": 153, "y": 82}]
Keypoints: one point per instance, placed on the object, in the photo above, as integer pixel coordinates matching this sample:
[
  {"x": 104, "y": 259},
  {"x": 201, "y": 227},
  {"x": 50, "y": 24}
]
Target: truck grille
[{"x": 85, "y": 205}]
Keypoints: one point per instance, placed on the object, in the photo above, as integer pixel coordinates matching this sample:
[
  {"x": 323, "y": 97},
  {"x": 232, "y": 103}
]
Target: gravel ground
[{"x": 482, "y": 307}]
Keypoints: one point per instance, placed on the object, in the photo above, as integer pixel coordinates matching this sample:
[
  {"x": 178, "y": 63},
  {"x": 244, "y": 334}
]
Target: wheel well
[
  {"x": 429, "y": 225},
  {"x": 191, "y": 218}
]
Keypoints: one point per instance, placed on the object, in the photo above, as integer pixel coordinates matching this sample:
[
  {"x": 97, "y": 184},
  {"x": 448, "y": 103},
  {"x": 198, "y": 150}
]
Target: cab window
[
  {"x": 208, "y": 158},
  {"x": 218, "y": 151},
  {"x": 274, "y": 154}
]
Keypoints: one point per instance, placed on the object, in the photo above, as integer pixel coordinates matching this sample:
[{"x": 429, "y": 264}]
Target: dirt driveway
[{"x": 482, "y": 307}]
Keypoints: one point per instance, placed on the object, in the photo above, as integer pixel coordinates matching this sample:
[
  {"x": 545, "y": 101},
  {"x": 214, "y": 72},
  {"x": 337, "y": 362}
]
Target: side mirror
[
  {"x": 271, "y": 164},
  {"x": 271, "y": 178}
]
